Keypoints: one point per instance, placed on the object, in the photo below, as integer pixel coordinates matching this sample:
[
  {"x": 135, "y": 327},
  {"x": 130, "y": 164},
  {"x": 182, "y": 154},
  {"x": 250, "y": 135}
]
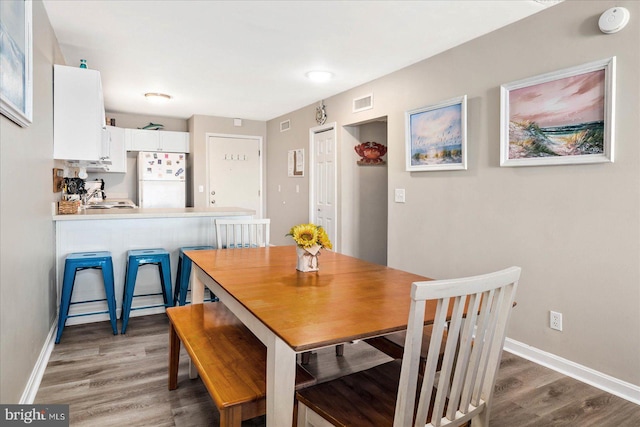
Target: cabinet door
[
  {"x": 117, "y": 152},
  {"x": 78, "y": 119},
  {"x": 145, "y": 140},
  {"x": 174, "y": 142}
]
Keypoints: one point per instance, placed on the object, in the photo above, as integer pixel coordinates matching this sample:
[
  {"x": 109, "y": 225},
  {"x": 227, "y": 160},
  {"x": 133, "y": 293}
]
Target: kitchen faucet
[{"x": 87, "y": 196}]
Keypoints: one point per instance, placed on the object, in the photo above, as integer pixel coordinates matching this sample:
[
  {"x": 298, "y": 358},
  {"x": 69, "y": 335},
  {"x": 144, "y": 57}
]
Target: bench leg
[
  {"x": 231, "y": 417},
  {"x": 174, "y": 357}
]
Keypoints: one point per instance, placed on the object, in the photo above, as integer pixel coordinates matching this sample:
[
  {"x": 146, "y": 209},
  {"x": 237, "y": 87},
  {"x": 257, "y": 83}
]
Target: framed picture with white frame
[
  {"x": 16, "y": 53},
  {"x": 558, "y": 118},
  {"x": 436, "y": 136}
]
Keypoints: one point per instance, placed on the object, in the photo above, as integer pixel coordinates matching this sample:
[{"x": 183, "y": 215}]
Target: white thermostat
[{"x": 613, "y": 20}]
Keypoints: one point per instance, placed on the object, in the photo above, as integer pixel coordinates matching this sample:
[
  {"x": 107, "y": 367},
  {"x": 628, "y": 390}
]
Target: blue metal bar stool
[
  {"x": 81, "y": 261},
  {"x": 183, "y": 274},
  {"x": 135, "y": 259}
]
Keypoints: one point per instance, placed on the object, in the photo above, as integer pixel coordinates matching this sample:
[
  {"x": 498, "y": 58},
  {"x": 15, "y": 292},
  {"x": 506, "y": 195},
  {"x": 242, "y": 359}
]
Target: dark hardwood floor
[{"x": 122, "y": 380}]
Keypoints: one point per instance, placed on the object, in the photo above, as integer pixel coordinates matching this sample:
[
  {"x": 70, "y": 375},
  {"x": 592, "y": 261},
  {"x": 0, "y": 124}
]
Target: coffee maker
[{"x": 73, "y": 189}]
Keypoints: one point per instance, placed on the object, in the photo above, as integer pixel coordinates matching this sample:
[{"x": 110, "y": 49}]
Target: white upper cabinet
[
  {"x": 79, "y": 130},
  {"x": 176, "y": 142},
  {"x": 157, "y": 140}
]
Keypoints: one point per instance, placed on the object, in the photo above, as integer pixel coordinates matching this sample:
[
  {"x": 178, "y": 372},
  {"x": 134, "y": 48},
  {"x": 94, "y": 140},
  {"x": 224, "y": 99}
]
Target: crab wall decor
[{"x": 371, "y": 153}]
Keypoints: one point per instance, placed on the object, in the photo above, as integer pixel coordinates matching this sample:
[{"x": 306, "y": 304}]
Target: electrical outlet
[
  {"x": 555, "y": 320},
  {"x": 399, "y": 195}
]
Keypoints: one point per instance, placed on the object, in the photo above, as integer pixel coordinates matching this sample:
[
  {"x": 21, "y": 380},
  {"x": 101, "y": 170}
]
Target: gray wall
[
  {"x": 27, "y": 275},
  {"x": 199, "y": 126},
  {"x": 575, "y": 230},
  {"x": 365, "y": 225}
]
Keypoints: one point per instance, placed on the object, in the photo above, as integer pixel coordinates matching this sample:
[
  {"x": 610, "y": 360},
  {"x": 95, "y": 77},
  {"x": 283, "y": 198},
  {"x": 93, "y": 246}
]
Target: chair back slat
[
  {"x": 477, "y": 310},
  {"x": 453, "y": 332},
  {"x": 242, "y": 233},
  {"x": 405, "y": 402},
  {"x": 464, "y": 354}
]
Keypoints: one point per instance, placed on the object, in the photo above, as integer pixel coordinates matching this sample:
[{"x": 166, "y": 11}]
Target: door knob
[
  {"x": 213, "y": 202},
  {"x": 213, "y": 193}
]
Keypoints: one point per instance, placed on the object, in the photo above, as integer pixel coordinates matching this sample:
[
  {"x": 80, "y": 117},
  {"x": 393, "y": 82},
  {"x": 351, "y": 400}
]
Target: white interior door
[
  {"x": 323, "y": 206},
  {"x": 235, "y": 172}
]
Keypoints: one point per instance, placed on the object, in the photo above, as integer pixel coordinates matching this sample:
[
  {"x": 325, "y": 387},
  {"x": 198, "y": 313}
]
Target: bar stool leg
[
  {"x": 65, "y": 300},
  {"x": 165, "y": 280},
  {"x": 129, "y": 287},
  {"x": 107, "y": 278},
  {"x": 177, "y": 290},
  {"x": 184, "y": 280}
]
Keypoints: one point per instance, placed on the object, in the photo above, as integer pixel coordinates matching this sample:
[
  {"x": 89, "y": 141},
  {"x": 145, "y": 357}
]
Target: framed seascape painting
[
  {"x": 436, "y": 136},
  {"x": 16, "y": 78},
  {"x": 564, "y": 117}
]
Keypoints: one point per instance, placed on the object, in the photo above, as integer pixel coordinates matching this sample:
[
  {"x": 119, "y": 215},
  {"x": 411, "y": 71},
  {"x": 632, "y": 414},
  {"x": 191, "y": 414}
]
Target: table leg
[
  {"x": 174, "y": 357},
  {"x": 197, "y": 297},
  {"x": 281, "y": 377},
  {"x": 197, "y": 286}
]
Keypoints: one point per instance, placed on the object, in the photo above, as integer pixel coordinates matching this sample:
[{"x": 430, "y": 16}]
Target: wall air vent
[
  {"x": 363, "y": 103},
  {"x": 286, "y": 125}
]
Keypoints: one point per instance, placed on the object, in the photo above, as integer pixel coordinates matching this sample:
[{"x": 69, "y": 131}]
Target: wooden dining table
[{"x": 292, "y": 312}]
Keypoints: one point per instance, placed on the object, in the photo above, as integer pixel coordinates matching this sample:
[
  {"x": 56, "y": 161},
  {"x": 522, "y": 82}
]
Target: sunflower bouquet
[{"x": 310, "y": 237}]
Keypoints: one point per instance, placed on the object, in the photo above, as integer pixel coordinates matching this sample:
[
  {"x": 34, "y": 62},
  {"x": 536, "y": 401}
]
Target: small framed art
[
  {"x": 295, "y": 163},
  {"x": 563, "y": 117},
  {"x": 436, "y": 136}
]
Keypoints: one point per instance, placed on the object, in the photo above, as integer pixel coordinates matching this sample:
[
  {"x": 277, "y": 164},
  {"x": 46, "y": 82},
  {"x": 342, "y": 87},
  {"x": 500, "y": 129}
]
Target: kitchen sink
[{"x": 110, "y": 204}]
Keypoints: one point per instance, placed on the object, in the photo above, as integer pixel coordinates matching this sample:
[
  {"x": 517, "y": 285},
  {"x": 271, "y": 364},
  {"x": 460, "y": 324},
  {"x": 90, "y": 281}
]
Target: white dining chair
[
  {"x": 478, "y": 310},
  {"x": 242, "y": 233}
]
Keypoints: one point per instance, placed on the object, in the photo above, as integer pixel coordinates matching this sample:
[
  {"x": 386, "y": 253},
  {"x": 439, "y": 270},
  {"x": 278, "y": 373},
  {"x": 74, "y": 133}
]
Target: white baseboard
[
  {"x": 589, "y": 376},
  {"x": 30, "y": 391}
]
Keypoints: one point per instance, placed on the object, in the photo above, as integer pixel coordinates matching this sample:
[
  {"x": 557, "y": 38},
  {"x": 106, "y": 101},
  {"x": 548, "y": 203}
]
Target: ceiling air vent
[
  {"x": 363, "y": 103},
  {"x": 286, "y": 125}
]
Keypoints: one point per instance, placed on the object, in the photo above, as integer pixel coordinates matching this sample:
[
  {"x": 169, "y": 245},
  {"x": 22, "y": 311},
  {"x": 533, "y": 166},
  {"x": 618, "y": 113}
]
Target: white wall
[
  {"x": 575, "y": 229},
  {"x": 27, "y": 270}
]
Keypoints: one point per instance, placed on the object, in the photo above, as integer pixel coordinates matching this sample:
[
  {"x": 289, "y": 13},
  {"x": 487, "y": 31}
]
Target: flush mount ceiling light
[
  {"x": 157, "y": 97},
  {"x": 319, "y": 76}
]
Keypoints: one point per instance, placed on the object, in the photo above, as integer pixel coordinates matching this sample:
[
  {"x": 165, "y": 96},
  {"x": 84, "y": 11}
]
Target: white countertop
[{"x": 140, "y": 213}]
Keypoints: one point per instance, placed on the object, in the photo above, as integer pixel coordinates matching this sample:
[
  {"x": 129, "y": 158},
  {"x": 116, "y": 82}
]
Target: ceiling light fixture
[
  {"x": 157, "y": 97},
  {"x": 319, "y": 76}
]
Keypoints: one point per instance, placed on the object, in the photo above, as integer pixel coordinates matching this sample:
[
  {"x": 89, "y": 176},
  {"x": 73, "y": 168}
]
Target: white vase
[{"x": 308, "y": 258}]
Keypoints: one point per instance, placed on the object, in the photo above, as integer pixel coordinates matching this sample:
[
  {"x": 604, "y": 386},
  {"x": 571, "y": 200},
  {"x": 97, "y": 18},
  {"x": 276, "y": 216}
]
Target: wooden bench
[{"x": 230, "y": 360}]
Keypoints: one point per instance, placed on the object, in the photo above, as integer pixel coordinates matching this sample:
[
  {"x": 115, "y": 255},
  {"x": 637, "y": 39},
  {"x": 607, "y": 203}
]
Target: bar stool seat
[
  {"x": 78, "y": 261},
  {"x": 136, "y": 259},
  {"x": 183, "y": 274}
]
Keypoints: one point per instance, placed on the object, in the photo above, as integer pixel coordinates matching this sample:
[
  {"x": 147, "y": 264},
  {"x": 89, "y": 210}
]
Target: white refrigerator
[{"x": 161, "y": 179}]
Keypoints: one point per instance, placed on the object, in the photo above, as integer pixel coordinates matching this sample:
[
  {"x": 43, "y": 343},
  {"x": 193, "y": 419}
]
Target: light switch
[
  {"x": 399, "y": 196},
  {"x": 201, "y": 188}
]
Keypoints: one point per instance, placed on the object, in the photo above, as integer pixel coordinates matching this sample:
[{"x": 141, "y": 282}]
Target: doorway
[
  {"x": 234, "y": 170},
  {"x": 364, "y": 190},
  {"x": 323, "y": 209}
]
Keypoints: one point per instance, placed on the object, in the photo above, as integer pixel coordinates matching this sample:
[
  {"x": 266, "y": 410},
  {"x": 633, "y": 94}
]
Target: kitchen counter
[
  {"x": 119, "y": 230},
  {"x": 141, "y": 213}
]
